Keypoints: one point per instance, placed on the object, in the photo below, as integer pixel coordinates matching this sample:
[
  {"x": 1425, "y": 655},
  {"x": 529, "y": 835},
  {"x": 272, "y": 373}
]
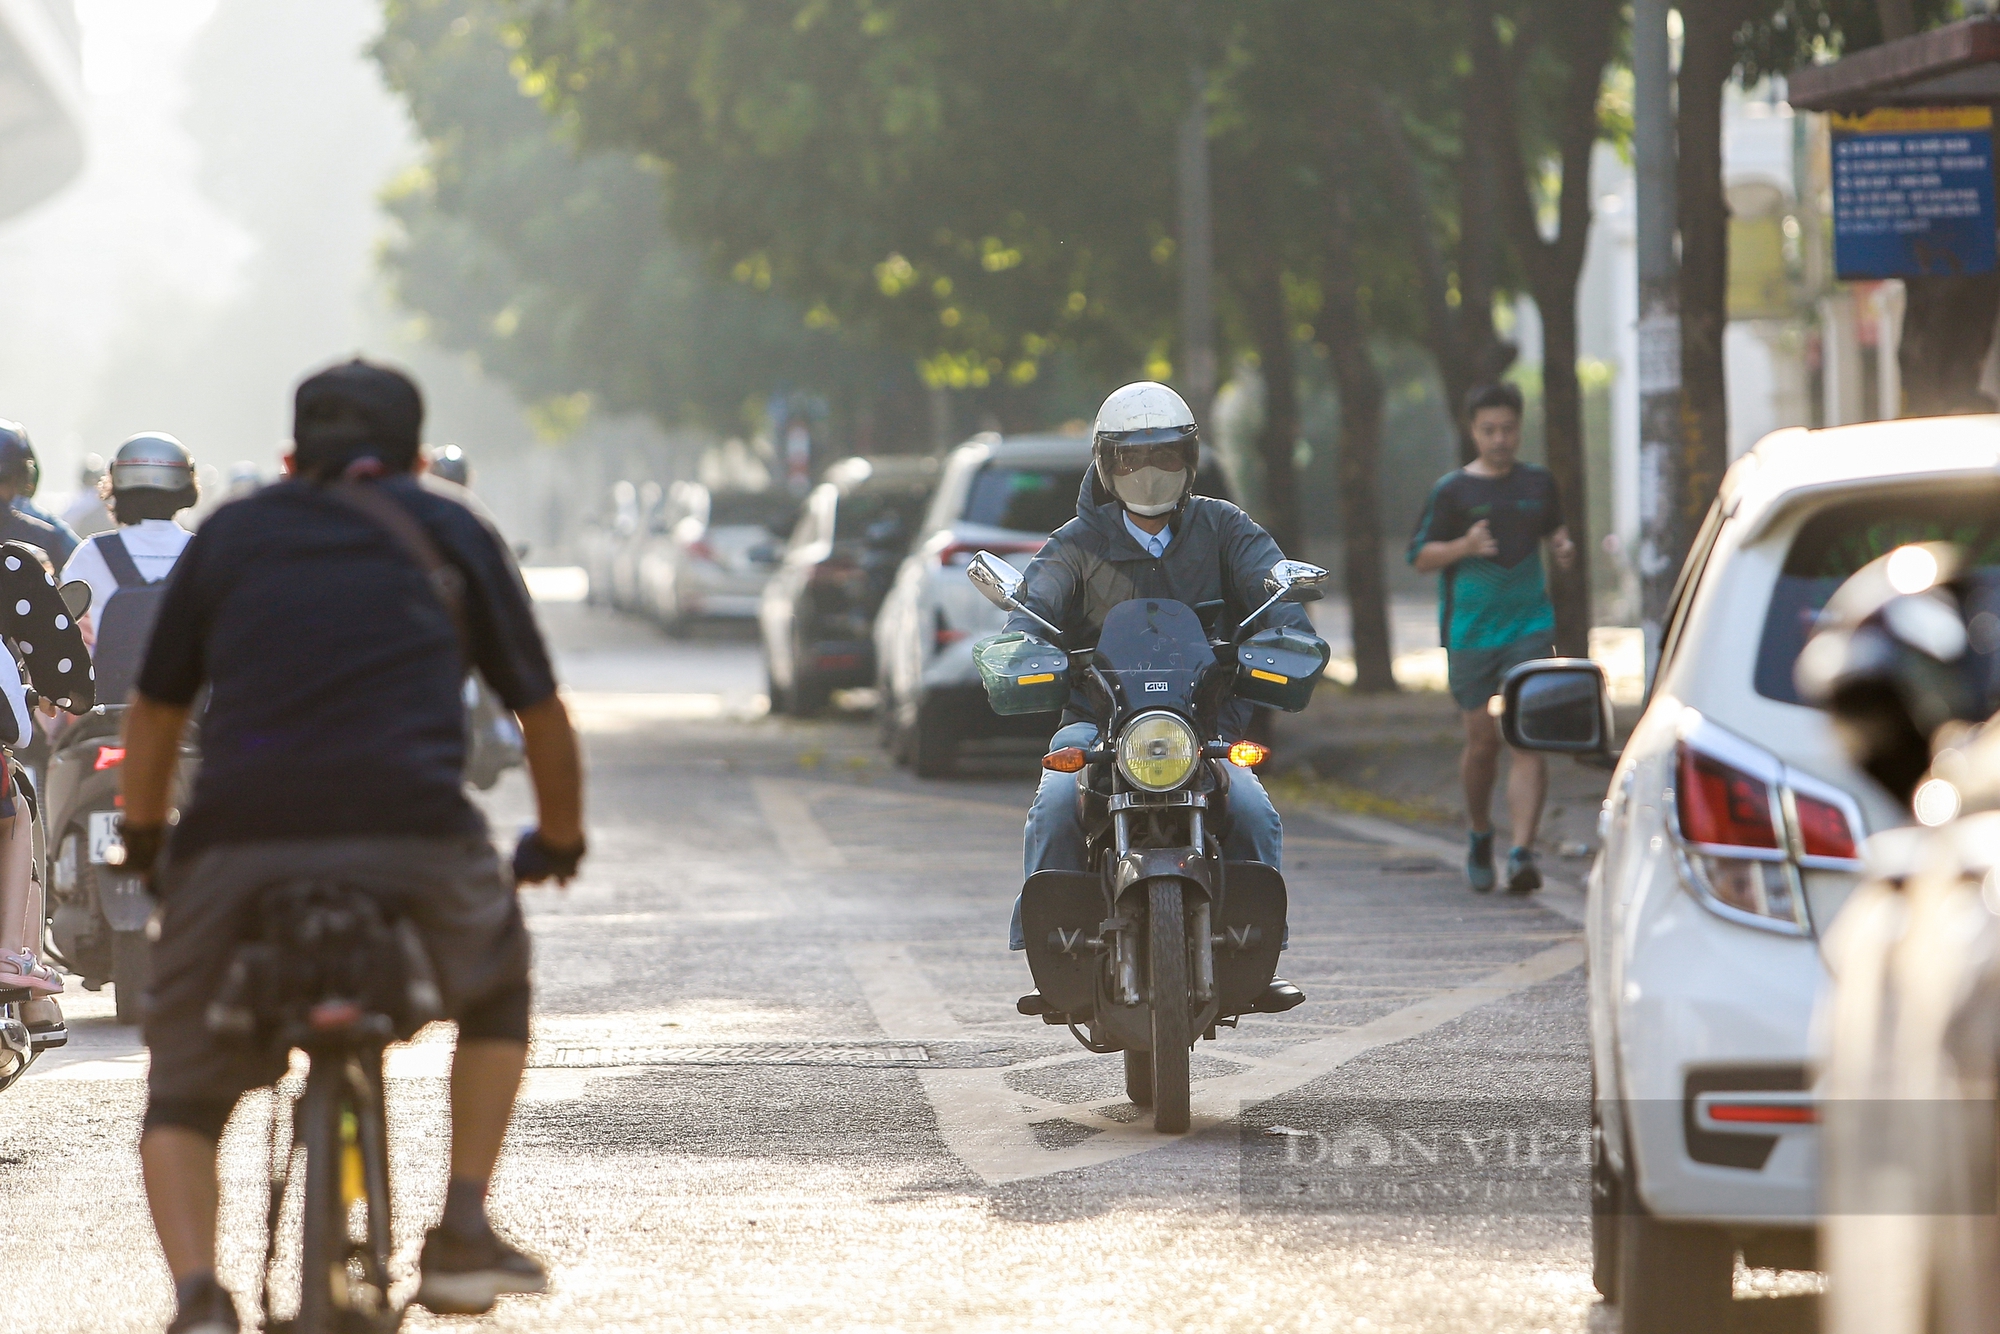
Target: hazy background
[{"x": 221, "y": 240}]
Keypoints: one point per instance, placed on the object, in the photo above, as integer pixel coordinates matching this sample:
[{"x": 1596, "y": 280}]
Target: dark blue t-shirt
[{"x": 334, "y": 671}]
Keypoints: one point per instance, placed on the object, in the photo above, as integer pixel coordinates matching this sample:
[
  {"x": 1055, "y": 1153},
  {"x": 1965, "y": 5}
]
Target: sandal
[{"x": 19, "y": 970}]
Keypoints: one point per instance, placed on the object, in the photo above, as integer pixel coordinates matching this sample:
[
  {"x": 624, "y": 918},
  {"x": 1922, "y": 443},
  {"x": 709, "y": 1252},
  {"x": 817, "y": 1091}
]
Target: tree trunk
[
  {"x": 1898, "y": 18},
  {"x": 1271, "y": 329},
  {"x": 1359, "y": 382},
  {"x": 1947, "y": 329},
  {"x": 1554, "y": 266},
  {"x": 1707, "y": 60}
]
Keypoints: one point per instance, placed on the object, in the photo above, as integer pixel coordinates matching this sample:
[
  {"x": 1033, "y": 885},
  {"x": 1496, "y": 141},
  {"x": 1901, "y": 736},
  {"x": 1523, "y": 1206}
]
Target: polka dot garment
[{"x": 42, "y": 630}]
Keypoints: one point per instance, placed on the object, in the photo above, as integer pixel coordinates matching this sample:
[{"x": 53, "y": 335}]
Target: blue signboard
[{"x": 1913, "y": 192}]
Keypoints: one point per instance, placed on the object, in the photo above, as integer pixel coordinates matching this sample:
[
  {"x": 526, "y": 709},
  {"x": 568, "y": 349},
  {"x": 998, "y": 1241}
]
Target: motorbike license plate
[{"x": 103, "y": 835}]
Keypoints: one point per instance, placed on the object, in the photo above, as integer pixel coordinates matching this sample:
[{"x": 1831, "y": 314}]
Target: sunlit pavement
[{"x": 779, "y": 1079}]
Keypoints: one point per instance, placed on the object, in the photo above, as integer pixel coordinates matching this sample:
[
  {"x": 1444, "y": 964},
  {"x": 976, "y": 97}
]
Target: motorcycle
[
  {"x": 97, "y": 914},
  {"x": 1165, "y": 941}
]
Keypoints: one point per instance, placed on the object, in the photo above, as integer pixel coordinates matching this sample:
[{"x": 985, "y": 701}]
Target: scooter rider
[
  {"x": 1140, "y": 531},
  {"x": 23, "y": 520},
  {"x": 151, "y": 479}
]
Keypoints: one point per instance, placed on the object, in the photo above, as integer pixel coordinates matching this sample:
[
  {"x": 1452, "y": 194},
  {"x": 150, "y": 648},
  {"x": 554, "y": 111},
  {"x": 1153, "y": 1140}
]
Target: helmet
[
  {"x": 1146, "y": 448},
  {"x": 91, "y": 472},
  {"x": 449, "y": 463},
  {"x": 18, "y": 466},
  {"x": 151, "y": 461},
  {"x": 1909, "y": 645}
]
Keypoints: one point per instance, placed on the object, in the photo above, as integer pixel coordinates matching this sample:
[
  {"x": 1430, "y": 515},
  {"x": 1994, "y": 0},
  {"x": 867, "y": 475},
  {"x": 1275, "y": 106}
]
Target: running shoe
[
  {"x": 1523, "y": 875},
  {"x": 1479, "y": 862},
  {"x": 465, "y": 1276}
]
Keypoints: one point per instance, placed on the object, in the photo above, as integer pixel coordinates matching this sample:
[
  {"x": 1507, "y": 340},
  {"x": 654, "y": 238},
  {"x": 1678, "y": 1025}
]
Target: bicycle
[{"x": 337, "y": 975}]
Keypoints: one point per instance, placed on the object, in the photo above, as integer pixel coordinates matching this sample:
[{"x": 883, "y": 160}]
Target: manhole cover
[{"x": 753, "y": 1054}]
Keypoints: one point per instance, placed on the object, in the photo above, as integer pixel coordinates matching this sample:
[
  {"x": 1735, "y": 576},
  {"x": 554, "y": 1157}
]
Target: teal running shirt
[{"x": 1491, "y": 602}]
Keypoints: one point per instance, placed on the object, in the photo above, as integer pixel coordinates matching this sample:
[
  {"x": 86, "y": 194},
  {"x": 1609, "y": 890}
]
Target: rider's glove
[
  {"x": 535, "y": 860},
  {"x": 142, "y": 847}
]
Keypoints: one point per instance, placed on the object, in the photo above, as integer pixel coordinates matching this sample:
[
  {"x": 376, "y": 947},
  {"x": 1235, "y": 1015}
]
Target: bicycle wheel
[{"x": 344, "y": 1281}]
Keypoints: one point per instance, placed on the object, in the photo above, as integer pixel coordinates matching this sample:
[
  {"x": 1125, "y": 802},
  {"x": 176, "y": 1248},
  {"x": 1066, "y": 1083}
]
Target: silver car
[
  {"x": 711, "y": 554},
  {"x": 999, "y": 494}
]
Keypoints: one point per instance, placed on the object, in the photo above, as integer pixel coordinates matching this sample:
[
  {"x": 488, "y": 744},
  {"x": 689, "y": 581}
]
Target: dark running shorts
[
  {"x": 1475, "y": 673},
  {"x": 452, "y": 888}
]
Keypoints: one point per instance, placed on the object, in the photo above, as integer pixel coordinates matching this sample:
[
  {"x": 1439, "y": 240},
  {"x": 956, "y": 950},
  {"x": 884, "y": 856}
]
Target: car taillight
[
  {"x": 839, "y": 572},
  {"x": 109, "y": 757},
  {"x": 1722, "y": 805},
  {"x": 961, "y": 553},
  {"x": 1746, "y": 825},
  {"x": 1823, "y": 829},
  {"x": 701, "y": 550}
]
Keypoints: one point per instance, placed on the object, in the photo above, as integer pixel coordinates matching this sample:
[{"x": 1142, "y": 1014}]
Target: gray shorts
[
  {"x": 452, "y": 889},
  {"x": 1474, "y": 674}
]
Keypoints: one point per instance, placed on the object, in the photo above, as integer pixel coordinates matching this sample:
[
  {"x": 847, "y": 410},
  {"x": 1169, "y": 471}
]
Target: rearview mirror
[
  {"x": 76, "y": 596},
  {"x": 996, "y": 580},
  {"x": 1295, "y": 581},
  {"x": 1559, "y": 705}
]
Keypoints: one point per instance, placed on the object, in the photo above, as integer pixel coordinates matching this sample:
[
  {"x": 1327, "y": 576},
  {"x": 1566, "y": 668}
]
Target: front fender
[{"x": 1143, "y": 864}]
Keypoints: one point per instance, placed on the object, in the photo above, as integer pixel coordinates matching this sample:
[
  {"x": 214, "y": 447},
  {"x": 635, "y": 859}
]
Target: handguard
[
  {"x": 1022, "y": 674},
  {"x": 1280, "y": 667}
]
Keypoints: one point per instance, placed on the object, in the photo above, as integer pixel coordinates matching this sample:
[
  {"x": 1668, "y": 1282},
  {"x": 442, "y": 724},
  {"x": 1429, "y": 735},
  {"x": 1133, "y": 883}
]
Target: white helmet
[{"x": 1146, "y": 447}]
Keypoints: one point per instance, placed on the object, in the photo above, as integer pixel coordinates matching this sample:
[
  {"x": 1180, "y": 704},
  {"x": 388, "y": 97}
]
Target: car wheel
[
  {"x": 780, "y": 699},
  {"x": 1673, "y": 1278},
  {"x": 885, "y": 715},
  {"x": 933, "y": 741}
]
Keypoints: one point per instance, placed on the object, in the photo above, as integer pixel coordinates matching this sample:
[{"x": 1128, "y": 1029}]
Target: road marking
[
  {"x": 990, "y": 1127},
  {"x": 787, "y": 808}
]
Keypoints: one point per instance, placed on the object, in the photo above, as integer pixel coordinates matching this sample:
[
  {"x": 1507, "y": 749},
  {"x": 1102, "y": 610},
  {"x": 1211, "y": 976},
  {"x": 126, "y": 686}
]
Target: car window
[
  {"x": 1843, "y": 537},
  {"x": 1685, "y": 585},
  {"x": 862, "y": 509},
  {"x": 1030, "y": 500},
  {"x": 770, "y": 509}
]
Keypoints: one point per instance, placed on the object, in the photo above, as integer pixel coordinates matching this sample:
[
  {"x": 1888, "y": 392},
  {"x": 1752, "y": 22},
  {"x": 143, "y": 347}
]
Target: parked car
[
  {"x": 710, "y": 554},
  {"x": 626, "y": 593},
  {"x": 1731, "y": 837},
  {"x": 818, "y": 609},
  {"x": 1003, "y": 495},
  {"x": 604, "y": 533}
]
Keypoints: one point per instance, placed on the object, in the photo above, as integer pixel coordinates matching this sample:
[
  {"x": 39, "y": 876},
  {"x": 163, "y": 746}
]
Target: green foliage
[
  {"x": 1781, "y": 37},
  {"x": 556, "y": 270}
]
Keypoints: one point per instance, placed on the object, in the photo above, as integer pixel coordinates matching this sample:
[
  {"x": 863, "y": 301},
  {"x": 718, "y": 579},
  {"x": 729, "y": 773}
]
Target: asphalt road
[{"x": 779, "y": 1079}]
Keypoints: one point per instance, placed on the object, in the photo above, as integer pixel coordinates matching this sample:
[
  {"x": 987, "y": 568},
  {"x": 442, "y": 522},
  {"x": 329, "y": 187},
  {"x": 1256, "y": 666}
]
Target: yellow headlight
[{"x": 1157, "y": 752}]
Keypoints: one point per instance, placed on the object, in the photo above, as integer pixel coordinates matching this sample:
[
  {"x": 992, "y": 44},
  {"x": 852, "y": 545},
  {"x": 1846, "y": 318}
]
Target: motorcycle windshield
[{"x": 1154, "y": 651}]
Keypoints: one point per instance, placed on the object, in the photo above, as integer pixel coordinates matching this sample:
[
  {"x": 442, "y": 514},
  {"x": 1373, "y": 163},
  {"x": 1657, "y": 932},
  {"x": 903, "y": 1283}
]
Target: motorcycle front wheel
[{"x": 1167, "y": 993}]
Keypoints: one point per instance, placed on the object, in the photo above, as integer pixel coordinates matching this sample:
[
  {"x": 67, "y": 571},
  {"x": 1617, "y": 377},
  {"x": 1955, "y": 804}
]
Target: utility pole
[
  {"x": 1197, "y": 254},
  {"x": 1662, "y": 544}
]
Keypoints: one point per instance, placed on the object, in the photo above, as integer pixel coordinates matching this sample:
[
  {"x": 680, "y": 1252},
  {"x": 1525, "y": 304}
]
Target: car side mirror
[
  {"x": 1557, "y": 705},
  {"x": 1295, "y": 581},
  {"x": 76, "y": 596}
]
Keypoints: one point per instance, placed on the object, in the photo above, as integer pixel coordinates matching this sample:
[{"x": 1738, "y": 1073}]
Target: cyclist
[
  {"x": 332, "y": 746},
  {"x": 1141, "y": 531},
  {"x": 25, "y": 521},
  {"x": 150, "y": 480}
]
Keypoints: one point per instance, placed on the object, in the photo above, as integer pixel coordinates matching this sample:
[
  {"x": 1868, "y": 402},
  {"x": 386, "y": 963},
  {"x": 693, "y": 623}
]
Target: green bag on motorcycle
[
  {"x": 1022, "y": 674},
  {"x": 1280, "y": 667}
]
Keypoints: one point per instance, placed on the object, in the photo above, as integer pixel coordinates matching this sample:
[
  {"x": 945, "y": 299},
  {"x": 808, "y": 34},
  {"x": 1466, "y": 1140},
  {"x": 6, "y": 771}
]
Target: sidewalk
[{"x": 1395, "y": 757}]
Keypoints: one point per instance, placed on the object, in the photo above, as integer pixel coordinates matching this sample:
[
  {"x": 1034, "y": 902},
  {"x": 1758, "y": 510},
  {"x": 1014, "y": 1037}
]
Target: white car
[
  {"x": 1731, "y": 838},
  {"x": 1003, "y": 495},
  {"x": 709, "y": 554}
]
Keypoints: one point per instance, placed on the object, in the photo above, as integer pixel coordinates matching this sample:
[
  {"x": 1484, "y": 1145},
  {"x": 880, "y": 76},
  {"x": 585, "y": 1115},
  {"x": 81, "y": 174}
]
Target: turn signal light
[
  {"x": 1248, "y": 754},
  {"x": 1068, "y": 760},
  {"x": 109, "y": 757}
]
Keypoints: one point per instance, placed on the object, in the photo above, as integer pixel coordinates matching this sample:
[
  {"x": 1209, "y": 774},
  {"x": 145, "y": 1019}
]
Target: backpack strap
[
  {"x": 446, "y": 580},
  {"x": 123, "y": 568}
]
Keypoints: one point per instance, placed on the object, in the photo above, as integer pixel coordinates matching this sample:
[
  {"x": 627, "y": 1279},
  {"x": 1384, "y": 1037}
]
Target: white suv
[
  {"x": 999, "y": 495},
  {"x": 1731, "y": 836}
]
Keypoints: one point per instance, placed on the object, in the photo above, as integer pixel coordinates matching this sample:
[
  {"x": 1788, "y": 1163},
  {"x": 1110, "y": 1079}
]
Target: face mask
[{"x": 1149, "y": 491}]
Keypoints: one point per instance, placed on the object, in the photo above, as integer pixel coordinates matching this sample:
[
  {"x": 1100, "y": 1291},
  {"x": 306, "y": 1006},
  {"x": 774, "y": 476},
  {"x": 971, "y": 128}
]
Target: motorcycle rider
[
  {"x": 449, "y": 464},
  {"x": 86, "y": 514},
  {"x": 25, "y": 521},
  {"x": 151, "y": 479},
  {"x": 1141, "y": 531}
]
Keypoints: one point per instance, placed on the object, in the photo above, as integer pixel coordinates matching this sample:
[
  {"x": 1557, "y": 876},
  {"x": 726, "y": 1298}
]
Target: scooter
[
  {"x": 97, "y": 914},
  {"x": 1164, "y": 941}
]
